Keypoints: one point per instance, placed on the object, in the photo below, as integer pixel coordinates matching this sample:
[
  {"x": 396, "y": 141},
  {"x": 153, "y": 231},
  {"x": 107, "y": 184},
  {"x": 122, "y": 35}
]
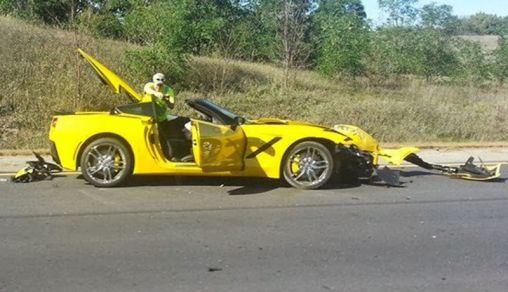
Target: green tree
[
  {"x": 483, "y": 23},
  {"x": 251, "y": 38},
  {"x": 287, "y": 27},
  {"x": 409, "y": 50},
  {"x": 501, "y": 60},
  {"x": 439, "y": 17},
  {"x": 161, "y": 28},
  {"x": 435, "y": 53},
  {"x": 198, "y": 26},
  {"x": 473, "y": 64},
  {"x": 342, "y": 38},
  {"x": 49, "y": 11},
  {"x": 105, "y": 18},
  {"x": 290, "y": 20},
  {"x": 400, "y": 12}
]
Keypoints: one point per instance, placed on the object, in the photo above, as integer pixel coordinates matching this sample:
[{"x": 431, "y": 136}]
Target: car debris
[
  {"x": 468, "y": 170},
  {"x": 36, "y": 170}
]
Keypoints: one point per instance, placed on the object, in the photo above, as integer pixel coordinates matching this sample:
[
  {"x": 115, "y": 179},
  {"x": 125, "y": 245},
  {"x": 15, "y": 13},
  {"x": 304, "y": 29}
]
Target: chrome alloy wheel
[
  {"x": 309, "y": 165},
  {"x": 105, "y": 163}
]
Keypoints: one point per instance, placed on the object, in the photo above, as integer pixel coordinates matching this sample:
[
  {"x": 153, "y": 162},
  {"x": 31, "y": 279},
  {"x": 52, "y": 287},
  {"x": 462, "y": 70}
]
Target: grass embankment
[{"x": 40, "y": 74}]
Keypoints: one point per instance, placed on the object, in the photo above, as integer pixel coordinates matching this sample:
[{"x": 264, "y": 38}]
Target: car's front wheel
[
  {"x": 308, "y": 165},
  {"x": 106, "y": 162}
]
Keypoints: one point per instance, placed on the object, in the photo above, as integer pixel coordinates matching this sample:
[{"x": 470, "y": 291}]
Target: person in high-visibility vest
[
  {"x": 177, "y": 145},
  {"x": 161, "y": 94}
]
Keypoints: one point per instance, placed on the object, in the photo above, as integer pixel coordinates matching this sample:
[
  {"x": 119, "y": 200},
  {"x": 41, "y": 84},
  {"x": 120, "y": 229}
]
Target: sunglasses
[{"x": 159, "y": 79}]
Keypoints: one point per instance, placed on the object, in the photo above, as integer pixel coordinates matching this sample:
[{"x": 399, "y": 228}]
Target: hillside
[
  {"x": 488, "y": 42},
  {"x": 40, "y": 74}
]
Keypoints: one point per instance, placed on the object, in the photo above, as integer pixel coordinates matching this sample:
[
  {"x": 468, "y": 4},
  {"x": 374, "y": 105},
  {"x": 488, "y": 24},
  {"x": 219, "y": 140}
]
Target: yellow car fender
[{"x": 396, "y": 156}]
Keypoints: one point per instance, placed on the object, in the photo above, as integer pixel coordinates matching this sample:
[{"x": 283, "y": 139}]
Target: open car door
[{"x": 218, "y": 147}]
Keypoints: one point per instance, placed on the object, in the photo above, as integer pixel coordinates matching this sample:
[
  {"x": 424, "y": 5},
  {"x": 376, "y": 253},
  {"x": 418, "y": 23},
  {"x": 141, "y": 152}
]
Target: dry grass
[
  {"x": 409, "y": 110},
  {"x": 41, "y": 74}
]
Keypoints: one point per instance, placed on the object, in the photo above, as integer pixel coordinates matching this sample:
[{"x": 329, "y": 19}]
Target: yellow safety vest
[{"x": 161, "y": 109}]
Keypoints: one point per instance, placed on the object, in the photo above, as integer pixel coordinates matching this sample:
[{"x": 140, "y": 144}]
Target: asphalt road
[{"x": 188, "y": 234}]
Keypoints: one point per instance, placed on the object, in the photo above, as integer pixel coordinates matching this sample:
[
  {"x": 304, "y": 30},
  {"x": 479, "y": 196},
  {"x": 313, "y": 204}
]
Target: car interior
[
  {"x": 175, "y": 139},
  {"x": 174, "y": 133}
]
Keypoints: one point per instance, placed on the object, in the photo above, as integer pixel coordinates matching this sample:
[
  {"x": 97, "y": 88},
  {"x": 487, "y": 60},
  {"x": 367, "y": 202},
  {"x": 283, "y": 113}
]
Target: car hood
[{"x": 108, "y": 77}]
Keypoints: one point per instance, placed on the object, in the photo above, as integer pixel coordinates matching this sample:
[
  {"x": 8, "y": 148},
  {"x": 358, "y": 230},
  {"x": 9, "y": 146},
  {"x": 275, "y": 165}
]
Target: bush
[
  {"x": 416, "y": 51},
  {"x": 501, "y": 60},
  {"x": 473, "y": 65},
  {"x": 343, "y": 45},
  {"x": 143, "y": 63},
  {"x": 101, "y": 25}
]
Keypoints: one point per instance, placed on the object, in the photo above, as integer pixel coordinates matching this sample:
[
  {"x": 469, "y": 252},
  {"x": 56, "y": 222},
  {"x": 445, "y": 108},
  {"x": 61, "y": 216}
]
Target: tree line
[{"x": 334, "y": 37}]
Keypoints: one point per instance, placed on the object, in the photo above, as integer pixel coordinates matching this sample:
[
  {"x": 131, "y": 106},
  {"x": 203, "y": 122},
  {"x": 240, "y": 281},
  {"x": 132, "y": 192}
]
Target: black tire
[
  {"x": 308, "y": 165},
  {"x": 106, "y": 162}
]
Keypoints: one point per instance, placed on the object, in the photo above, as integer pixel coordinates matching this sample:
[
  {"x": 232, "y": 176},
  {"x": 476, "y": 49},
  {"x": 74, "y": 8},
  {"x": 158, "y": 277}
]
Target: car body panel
[
  {"x": 108, "y": 77},
  {"x": 217, "y": 147},
  {"x": 72, "y": 132},
  {"x": 396, "y": 156}
]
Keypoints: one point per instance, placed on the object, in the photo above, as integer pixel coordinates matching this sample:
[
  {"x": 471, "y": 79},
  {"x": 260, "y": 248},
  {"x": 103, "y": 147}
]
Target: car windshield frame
[
  {"x": 217, "y": 113},
  {"x": 145, "y": 109}
]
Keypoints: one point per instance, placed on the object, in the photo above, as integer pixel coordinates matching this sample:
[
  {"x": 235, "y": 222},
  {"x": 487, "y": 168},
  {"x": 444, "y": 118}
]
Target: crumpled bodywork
[{"x": 366, "y": 142}]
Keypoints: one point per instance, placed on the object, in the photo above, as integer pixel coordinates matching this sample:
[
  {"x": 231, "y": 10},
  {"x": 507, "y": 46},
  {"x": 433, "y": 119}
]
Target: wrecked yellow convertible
[{"x": 111, "y": 146}]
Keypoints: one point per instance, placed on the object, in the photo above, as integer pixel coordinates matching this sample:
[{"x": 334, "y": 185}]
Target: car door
[{"x": 218, "y": 147}]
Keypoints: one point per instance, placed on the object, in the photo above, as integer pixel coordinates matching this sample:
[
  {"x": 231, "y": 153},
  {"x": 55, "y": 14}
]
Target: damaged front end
[
  {"x": 363, "y": 165},
  {"x": 355, "y": 164},
  {"x": 359, "y": 158},
  {"x": 360, "y": 153}
]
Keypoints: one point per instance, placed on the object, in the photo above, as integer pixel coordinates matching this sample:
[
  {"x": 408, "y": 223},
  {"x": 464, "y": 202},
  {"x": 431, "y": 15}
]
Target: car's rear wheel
[
  {"x": 106, "y": 162},
  {"x": 308, "y": 165}
]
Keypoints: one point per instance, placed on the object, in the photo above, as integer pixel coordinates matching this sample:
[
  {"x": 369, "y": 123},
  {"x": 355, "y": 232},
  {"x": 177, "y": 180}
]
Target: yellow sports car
[{"x": 128, "y": 140}]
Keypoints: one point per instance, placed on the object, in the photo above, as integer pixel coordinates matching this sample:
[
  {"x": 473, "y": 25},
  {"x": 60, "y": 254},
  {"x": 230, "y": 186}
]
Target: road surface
[{"x": 213, "y": 234}]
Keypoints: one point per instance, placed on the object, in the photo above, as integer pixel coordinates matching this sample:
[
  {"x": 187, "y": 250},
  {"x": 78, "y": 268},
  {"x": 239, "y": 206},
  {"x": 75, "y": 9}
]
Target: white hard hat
[{"x": 158, "y": 78}]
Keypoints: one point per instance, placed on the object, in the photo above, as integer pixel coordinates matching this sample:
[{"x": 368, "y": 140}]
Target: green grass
[{"x": 40, "y": 74}]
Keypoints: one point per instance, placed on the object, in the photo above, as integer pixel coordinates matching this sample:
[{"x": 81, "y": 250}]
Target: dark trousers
[{"x": 173, "y": 139}]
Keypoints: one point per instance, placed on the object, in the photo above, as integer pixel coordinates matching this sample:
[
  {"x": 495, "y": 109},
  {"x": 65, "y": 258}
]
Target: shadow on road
[
  {"x": 413, "y": 173},
  {"x": 164, "y": 180},
  {"x": 246, "y": 185}
]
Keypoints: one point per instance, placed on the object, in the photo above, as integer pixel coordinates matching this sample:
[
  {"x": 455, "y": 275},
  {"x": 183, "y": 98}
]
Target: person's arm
[
  {"x": 169, "y": 97},
  {"x": 149, "y": 90},
  {"x": 170, "y": 101}
]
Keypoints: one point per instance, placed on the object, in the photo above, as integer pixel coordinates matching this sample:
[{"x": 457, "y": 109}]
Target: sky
[{"x": 460, "y": 7}]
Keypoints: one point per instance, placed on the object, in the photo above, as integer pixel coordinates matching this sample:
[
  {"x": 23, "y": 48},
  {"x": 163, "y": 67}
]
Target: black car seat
[{"x": 174, "y": 142}]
